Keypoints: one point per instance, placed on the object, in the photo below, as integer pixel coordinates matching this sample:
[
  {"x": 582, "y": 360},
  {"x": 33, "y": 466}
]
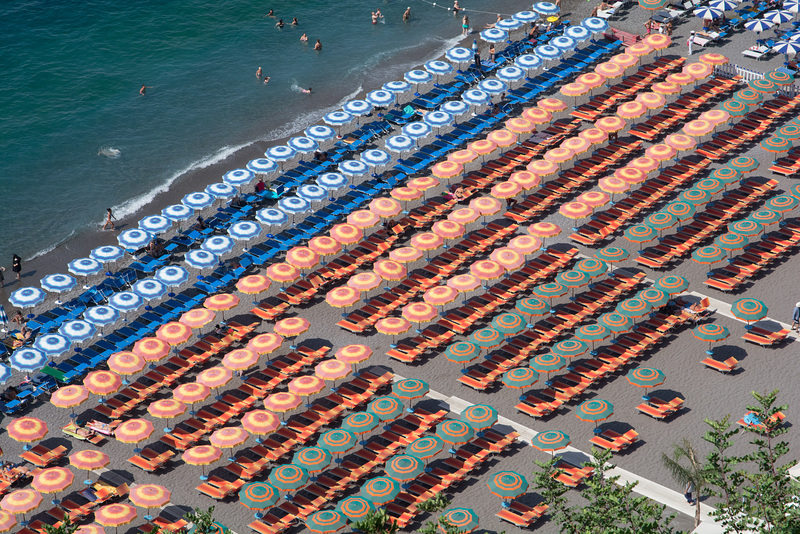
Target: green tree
[
  {"x": 443, "y": 525},
  {"x": 66, "y": 527},
  {"x": 376, "y": 522},
  {"x": 203, "y": 521},
  {"x": 435, "y": 503},
  {"x": 686, "y": 467}
]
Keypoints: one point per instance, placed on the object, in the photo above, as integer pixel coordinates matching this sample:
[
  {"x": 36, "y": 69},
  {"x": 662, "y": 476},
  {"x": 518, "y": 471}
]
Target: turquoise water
[{"x": 72, "y": 72}]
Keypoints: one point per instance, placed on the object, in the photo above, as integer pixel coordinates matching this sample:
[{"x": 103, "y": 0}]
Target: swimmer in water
[
  {"x": 266, "y": 80},
  {"x": 407, "y": 14},
  {"x": 144, "y": 89},
  {"x": 456, "y": 8},
  {"x": 295, "y": 22},
  {"x": 259, "y": 73},
  {"x": 306, "y": 91},
  {"x": 374, "y": 18},
  {"x": 279, "y": 24},
  {"x": 270, "y": 14},
  {"x": 317, "y": 45},
  {"x": 304, "y": 38}
]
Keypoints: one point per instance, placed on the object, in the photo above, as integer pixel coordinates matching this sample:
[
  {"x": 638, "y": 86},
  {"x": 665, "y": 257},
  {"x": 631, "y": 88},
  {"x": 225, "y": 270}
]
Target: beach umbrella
[
  {"x": 254, "y": 284},
  {"x": 726, "y": 175},
  {"x": 355, "y": 508},
  {"x": 399, "y": 143},
  {"x": 680, "y": 210},
  {"x": 337, "y": 118},
  {"x": 550, "y": 440},
  {"x": 546, "y": 8},
  {"x": 544, "y": 167},
  {"x": 440, "y": 295},
  {"x": 592, "y": 267},
  {"x": 155, "y": 224},
  {"x": 706, "y": 12},
  {"x": 745, "y": 227},
  {"x": 494, "y": 35},
  {"x": 510, "y": 73},
  {"x": 459, "y": 54},
  {"x": 260, "y": 422},
  {"x": 473, "y": 97},
  {"x": 57, "y": 283},
  {"x": 228, "y": 437},
  {"x": 695, "y": 196},
  {"x": 570, "y": 348},
  {"x": 360, "y": 422},
  {"x": 84, "y": 267},
  {"x": 337, "y": 441},
  {"x": 243, "y": 231},
  {"x": 479, "y": 417},
  {"x": 711, "y": 333},
  {"x": 765, "y": 217},
  {"x": 302, "y": 257},
  {"x": 380, "y": 490},
  {"x": 661, "y": 220},
  {"x": 615, "y": 322},
  {"x": 258, "y": 496},
  {"x": 107, "y": 253},
  {"x": 613, "y": 184},
  {"x": 492, "y": 86},
  {"x": 149, "y": 289},
  {"x": 262, "y": 166},
  {"x": 134, "y": 238},
  {"x": 69, "y": 396},
  {"x": 27, "y": 360},
  {"x": 547, "y": 363},
  {"x": 448, "y": 229},
  {"x": 464, "y": 283},
  {"x": 77, "y": 330},
  {"x": 776, "y": 144},
  {"x": 654, "y": 297},
  {"x": 362, "y": 219},
  {"x": 782, "y": 203},
  {"x": 749, "y": 309},
  {"x": 438, "y": 67},
  {"x": 486, "y": 338},
  {"x": 389, "y": 270},
  {"x": 133, "y": 431},
  {"x": 417, "y": 129},
  {"x": 174, "y": 333},
  {"x": 279, "y": 153},
  {"x": 149, "y": 496},
  {"x": 640, "y": 233},
  {"x": 375, "y": 157},
  {"x": 633, "y": 308},
  {"x": 221, "y": 190},
  {"x": 369, "y": 280},
  {"x": 698, "y": 71},
  {"x": 778, "y": 16},
  {"x": 191, "y": 392},
  {"x": 410, "y": 389},
  {"x": 89, "y": 460},
  {"x": 151, "y": 348},
  {"x": 419, "y": 312},
  {"x": 572, "y": 279},
  {"x": 333, "y": 369},
  {"x": 172, "y": 275},
  {"x": 427, "y": 241},
  {"x": 594, "y": 410},
  {"x": 788, "y": 48},
  {"x": 502, "y": 138},
  {"x": 425, "y": 447},
  {"x": 282, "y": 402},
  {"x": 395, "y": 87},
  {"x": 307, "y": 385},
  {"x": 240, "y": 360},
  {"x": 198, "y": 200},
  {"x": 577, "y": 33},
  {"x": 125, "y": 301},
  {"x": 520, "y": 377},
  {"x": 392, "y": 326},
  {"x": 735, "y": 108},
  {"x": 708, "y": 255},
  {"x": 646, "y": 377},
  {"x": 312, "y": 192},
  {"x": 291, "y": 326},
  {"x": 332, "y": 180},
  {"x": 743, "y": 164},
  {"x": 218, "y": 244},
  {"x": 52, "y": 344},
  {"x": 102, "y": 382},
  {"x": 130, "y": 363},
  {"x": 313, "y": 459},
  {"x": 214, "y": 377},
  {"x": 525, "y": 244},
  {"x": 21, "y": 501},
  {"x": 404, "y": 468},
  {"x": 463, "y": 519},
  {"x": 319, "y": 132},
  {"x": 508, "y": 323},
  {"x": 202, "y": 455},
  {"x": 354, "y": 354},
  {"x": 731, "y": 241},
  {"x": 386, "y": 408},
  {"x": 550, "y": 291},
  {"x": 437, "y": 119},
  {"x": 537, "y": 115},
  {"x": 508, "y": 24},
  {"x": 532, "y": 307},
  {"x": 578, "y": 145},
  {"x": 592, "y": 333},
  {"x": 346, "y": 233},
  {"x": 790, "y": 131},
  {"x": 507, "y": 485},
  {"x": 594, "y": 24},
  {"x": 486, "y": 269},
  {"x": 302, "y": 144}
]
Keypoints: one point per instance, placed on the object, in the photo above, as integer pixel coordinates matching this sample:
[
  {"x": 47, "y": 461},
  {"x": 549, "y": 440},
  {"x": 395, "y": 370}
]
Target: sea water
[{"x": 76, "y": 137}]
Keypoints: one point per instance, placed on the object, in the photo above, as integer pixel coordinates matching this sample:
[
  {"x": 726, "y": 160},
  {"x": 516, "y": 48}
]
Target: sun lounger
[
  {"x": 521, "y": 515},
  {"x": 41, "y": 456},
  {"x": 724, "y": 367},
  {"x": 749, "y": 420},
  {"x": 764, "y": 337}
]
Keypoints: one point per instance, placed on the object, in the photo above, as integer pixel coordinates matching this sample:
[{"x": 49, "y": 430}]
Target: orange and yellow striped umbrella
[
  {"x": 625, "y": 60},
  {"x": 578, "y": 145},
  {"x": 698, "y": 128},
  {"x": 448, "y": 229},
  {"x": 520, "y": 125},
  {"x": 486, "y": 205},
  {"x": 53, "y": 479},
  {"x": 537, "y": 115},
  {"x": 8, "y": 521},
  {"x": 89, "y": 459},
  {"x": 591, "y": 79},
  {"x": 405, "y": 193},
  {"x": 610, "y": 124},
  {"x": 660, "y": 152},
  {"x": 526, "y": 179},
  {"x": 505, "y": 190},
  {"x": 418, "y": 312},
  {"x": 525, "y": 244},
  {"x": 191, "y": 392},
  {"x": 240, "y": 360},
  {"x": 215, "y": 377},
  {"x": 644, "y": 163},
  {"x": 508, "y": 258},
  {"x": 631, "y": 110},
  {"x": 174, "y": 333},
  {"x": 658, "y": 41},
  {"x": 385, "y": 207},
  {"x": 115, "y": 515},
  {"x": 651, "y": 100},
  {"x": 594, "y": 199},
  {"x": 639, "y": 49},
  {"x": 202, "y": 455},
  {"x": 354, "y": 353},
  {"x": 550, "y": 104},
  {"x": 343, "y": 296},
  {"x": 306, "y": 385},
  {"x": 389, "y": 270},
  {"x": 558, "y": 155},
  {"x": 575, "y": 210},
  {"x": 593, "y": 135},
  {"x": 482, "y": 146},
  {"x": 610, "y": 70},
  {"x": 369, "y": 280},
  {"x": 715, "y": 116},
  {"x": 574, "y": 89},
  {"x": 151, "y": 349},
  {"x": 333, "y": 369},
  {"x": 302, "y": 257},
  {"x": 542, "y": 167},
  {"x": 221, "y": 302},
  {"x": 324, "y": 245},
  {"x": 69, "y": 396},
  {"x": 612, "y": 184},
  {"x": 464, "y": 283},
  {"x": 486, "y": 269},
  {"x": 197, "y": 318},
  {"x": 712, "y": 58},
  {"x": 283, "y": 401},
  {"x": 666, "y": 88},
  {"x": 27, "y": 429},
  {"x": 260, "y": 422},
  {"x": 631, "y": 175},
  {"x": 680, "y": 78},
  {"x": 464, "y": 215},
  {"x": 102, "y": 382},
  {"x": 228, "y": 437},
  {"x": 423, "y": 183},
  {"x": 544, "y": 229},
  {"x": 21, "y": 501},
  {"x": 346, "y": 233},
  {"x": 427, "y": 241},
  {"x": 462, "y": 157},
  {"x": 502, "y": 137},
  {"x": 392, "y": 326},
  {"x": 149, "y": 495},
  {"x": 166, "y": 408},
  {"x": 401, "y": 255},
  {"x": 362, "y": 219},
  {"x": 680, "y": 142},
  {"x": 265, "y": 343},
  {"x": 92, "y": 528},
  {"x": 447, "y": 169},
  {"x": 253, "y": 284},
  {"x": 698, "y": 71},
  {"x": 291, "y": 326},
  {"x": 440, "y": 295},
  {"x": 133, "y": 430},
  {"x": 283, "y": 272}
]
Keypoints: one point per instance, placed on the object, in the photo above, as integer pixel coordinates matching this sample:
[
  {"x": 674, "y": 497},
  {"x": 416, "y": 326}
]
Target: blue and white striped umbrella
[
  {"x": 563, "y": 42},
  {"x": 125, "y": 301},
  {"x": 438, "y": 67},
  {"x": 707, "y": 13},
  {"x": 546, "y": 8},
  {"x": 172, "y": 275},
  {"x": 778, "y": 16},
  {"x": 357, "y": 107},
  {"x": 337, "y": 118},
  {"x": 438, "y": 119},
  {"x": 77, "y": 330},
  {"x": 509, "y": 74},
  {"x": 303, "y": 145},
  {"x": 27, "y": 297},
  {"x": 375, "y": 157},
  {"x": 84, "y": 267},
  {"x": 526, "y": 16},
  {"x": 149, "y": 289},
  {"x": 52, "y": 344},
  {"x": 107, "y": 253},
  {"x": 493, "y": 35},
  {"x": 418, "y": 76},
  {"x": 476, "y": 97},
  {"x": 271, "y": 216},
  {"x": 312, "y": 192},
  {"x": 198, "y": 200},
  {"x": 218, "y": 244},
  {"x": 508, "y": 24},
  {"x": 201, "y": 259},
  {"x": 280, "y": 153},
  {"x": 155, "y": 224},
  {"x": 417, "y": 129},
  {"x": 792, "y": 6},
  {"x": 27, "y": 360},
  {"x": 134, "y": 238},
  {"x": 332, "y": 180},
  {"x": 528, "y": 61},
  {"x": 177, "y": 212},
  {"x": 262, "y": 166},
  {"x": 101, "y": 315},
  {"x": 244, "y": 230},
  {"x": 547, "y": 52},
  {"x": 724, "y": 5},
  {"x": 492, "y": 86},
  {"x": 459, "y": 54},
  {"x": 454, "y": 107},
  {"x": 380, "y": 98},
  {"x": 789, "y": 48},
  {"x": 580, "y": 33},
  {"x": 5, "y": 373},
  {"x": 3, "y": 315},
  {"x": 594, "y": 24},
  {"x": 220, "y": 190},
  {"x": 352, "y": 167},
  {"x": 294, "y": 205},
  {"x": 57, "y": 283},
  {"x": 238, "y": 177},
  {"x": 758, "y": 25},
  {"x": 400, "y": 143},
  {"x": 397, "y": 86},
  {"x": 319, "y": 132}
]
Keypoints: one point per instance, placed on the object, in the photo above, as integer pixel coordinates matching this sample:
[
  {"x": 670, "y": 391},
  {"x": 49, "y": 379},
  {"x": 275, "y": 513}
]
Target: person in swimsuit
[
  {"x": 295, "y": 22},
  {"x": 456, "y": 8},
  {"x": 304, "y": 38},
  {"x": 317, "y": 45},
  {"x": 306, "y": 91},
  {"x": 266, "y": 80},
  {"x": 259, "y": 72},
  {"x": 279, "y": 24},
  {"x": 110, "y": 215},
  {"x": 407, "y": 14},
  {"x": 270, "y": 14},
  {"x": 491, "y": 54},
  {"x": 374, "y": 18},
  {"x": 144, "y": 89},
  {"x": 465, "y": 25}
]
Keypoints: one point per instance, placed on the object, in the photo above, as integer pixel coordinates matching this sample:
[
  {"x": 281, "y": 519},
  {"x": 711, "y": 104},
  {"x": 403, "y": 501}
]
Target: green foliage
[
  {"x": 687, "y": 466},
  {"x": 203, "y": 521},
  {"x": 66, "y": 527},
  {"x": 376, "y": 522},
  {"x": 435, "y": 503},
  {"x": 443, "y": 525}
]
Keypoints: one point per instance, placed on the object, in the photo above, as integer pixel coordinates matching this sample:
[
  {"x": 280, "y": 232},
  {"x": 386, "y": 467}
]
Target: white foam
[{"x": 51, "y": 248}]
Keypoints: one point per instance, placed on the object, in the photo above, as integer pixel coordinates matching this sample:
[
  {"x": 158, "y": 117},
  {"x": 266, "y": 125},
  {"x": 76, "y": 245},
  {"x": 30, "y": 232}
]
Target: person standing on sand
[
  {"x": 317, "y": 46},
  {"x": 691, "y": 41},
  {"x": 407, "y": 14},
  {"x": 796, "y": 317},
  {"x": 109, "y": 217},
  {"x": 16, "y": 265},
  {"x": 2, "y": 278}
]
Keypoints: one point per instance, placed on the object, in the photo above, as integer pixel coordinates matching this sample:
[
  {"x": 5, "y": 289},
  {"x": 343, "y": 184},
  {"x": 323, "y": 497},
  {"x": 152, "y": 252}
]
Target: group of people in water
[{"x": 303, "y": 39}]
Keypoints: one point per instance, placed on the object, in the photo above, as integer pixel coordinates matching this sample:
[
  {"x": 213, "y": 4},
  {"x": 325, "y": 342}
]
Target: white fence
[{"x": 747, "y": 75}]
